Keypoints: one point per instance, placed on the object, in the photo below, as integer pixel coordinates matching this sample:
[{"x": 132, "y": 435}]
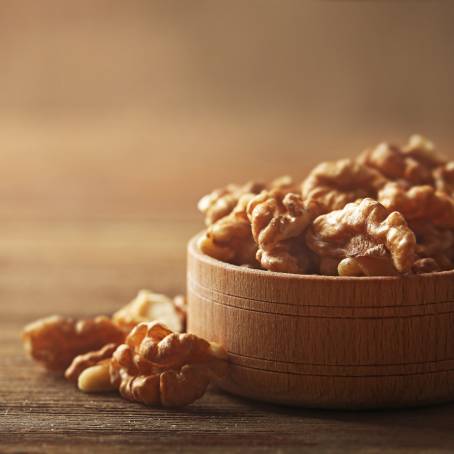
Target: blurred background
[{"x": 115, "y": 117}]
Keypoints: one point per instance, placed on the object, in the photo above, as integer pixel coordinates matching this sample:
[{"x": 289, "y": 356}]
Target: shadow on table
[{"x": 434, "y": 417}]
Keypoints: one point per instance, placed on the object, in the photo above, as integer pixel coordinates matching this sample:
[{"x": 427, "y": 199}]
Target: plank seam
[
  {"x": 378, "y": 317},
  {"x": 193, "y": 283},
  {"x": 296, "y": 363}
]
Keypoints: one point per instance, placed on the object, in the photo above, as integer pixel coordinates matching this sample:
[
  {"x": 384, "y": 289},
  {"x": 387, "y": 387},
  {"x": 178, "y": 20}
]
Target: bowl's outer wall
[{"x": 323, "y": 341}]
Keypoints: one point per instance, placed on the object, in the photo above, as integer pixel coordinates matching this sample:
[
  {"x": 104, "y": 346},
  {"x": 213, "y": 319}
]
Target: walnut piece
[
  {"x": 419, "y": 202},
  {"x": 96, "y": 378},
  {"x": 423, "y": 151},
  {"x": 366, "y": 231},
  {"x": 394, "y": 164},
  {"x": 230, "y": 238},
  {"x": 221, "y": 202},
  {"x": 158, "y": 367},
  {"x": 146, "y": 307},
  {"x": 366, "y": 266},
  {"x": 334, "y": 184},
  {"x": 86, "y": 360},
  {"x": 55, "y": 341},
  {"x": 279, "y": 220}
]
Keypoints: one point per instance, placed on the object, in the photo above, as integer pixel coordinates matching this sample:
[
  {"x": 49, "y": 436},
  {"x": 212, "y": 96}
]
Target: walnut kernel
[
  {"x": 278, "y": 222},
  {"x": 334, "y": 184},
  {"x": 364, "y": 229},
  {"x": 158, "y": 367},
  {"x": 55, "y": 341},
  {"x": 146, "y": 307}
]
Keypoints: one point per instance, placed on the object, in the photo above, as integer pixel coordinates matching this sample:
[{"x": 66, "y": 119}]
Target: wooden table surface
[{"x": 79, "y": 234}]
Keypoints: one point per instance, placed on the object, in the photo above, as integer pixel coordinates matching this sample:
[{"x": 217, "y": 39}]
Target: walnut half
[
  {"x": 158, "y": 367},
  {"x": 395, "y": 165},
  {"x": 334, "y": 184},
  {"x": 87, "y": 360},
  {"x": 222, "y": 201},
  {"x": 278, "y": 222},
  {"x": 55, "y": 341},
  {"x": 419, "y": 203},
  {"x": 149, "y": 306},
  {"x": 230, "y": 238},
  {"x": 367, "y": 232}
]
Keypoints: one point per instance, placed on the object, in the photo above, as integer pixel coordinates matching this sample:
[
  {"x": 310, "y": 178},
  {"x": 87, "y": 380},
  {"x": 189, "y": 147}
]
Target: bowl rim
[{"x": 195, "y": 251}]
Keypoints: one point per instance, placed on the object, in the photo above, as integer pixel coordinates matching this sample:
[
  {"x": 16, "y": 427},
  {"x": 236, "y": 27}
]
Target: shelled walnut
[
  {"x": 148, "y": 306},
  {"x": 419, "y": 203},
  {"x": 158, "y": 367},
  {"x": 230, "y": 238},
  {"x": 279, "y": 220},
  {"x": 86, "y": 360},
  {"x": 413, "y": 183},
  {"x": 366, "y": 232},
  {"x": 55, "y": 341},
  {"x": 222, "y": 201},
  {"x": 423, "y": 151},
  {"x": 145, "y": 361},
  {"x": 96, "y": 378},
  {"x": 334, "y": 184},
  {"x": 394, "y": 164}
]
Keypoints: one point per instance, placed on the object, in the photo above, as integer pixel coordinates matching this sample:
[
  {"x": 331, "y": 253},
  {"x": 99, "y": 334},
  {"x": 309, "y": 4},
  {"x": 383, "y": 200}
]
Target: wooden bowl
[{"x": 327, "y": 342}]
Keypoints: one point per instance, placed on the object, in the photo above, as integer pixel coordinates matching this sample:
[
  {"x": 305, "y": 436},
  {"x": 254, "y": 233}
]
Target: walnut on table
[
  {"x": 418, "y": 203},
  {"x": 55, "y": 341},
  {"x": 230, "y": 238},
  {"x": 148, "y": 306},
  {"x": 87, "y": 360},
  {"x": 336, "y": 183},
  {"x": 91, "y": 370},
  {"x": 379, "y": 242},
  {"x": 279, "y": 220},
  {"x": 158, "y": 367}
]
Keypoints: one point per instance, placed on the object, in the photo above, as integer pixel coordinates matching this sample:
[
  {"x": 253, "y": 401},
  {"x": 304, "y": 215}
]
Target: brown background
[
  {"x": 112, "y": 109},
  {"x": 115, "y": 116}
]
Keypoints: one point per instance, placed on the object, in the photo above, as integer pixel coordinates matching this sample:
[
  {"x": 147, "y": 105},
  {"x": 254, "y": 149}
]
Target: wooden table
[{"x": 80, "y": 238}]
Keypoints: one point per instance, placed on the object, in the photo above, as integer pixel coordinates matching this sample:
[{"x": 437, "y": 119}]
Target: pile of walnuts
[
  {"x": 139, "y": 352},
  {"x": 390, "y": 211}
]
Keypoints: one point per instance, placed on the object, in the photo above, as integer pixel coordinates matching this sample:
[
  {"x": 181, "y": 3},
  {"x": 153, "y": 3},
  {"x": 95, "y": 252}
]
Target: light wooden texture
[{"x": 327, "y": 342}]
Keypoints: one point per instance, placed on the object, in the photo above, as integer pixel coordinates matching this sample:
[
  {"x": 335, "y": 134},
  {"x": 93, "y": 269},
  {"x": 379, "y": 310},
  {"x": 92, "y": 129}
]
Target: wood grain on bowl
[{"x": 328, "y": 342}]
